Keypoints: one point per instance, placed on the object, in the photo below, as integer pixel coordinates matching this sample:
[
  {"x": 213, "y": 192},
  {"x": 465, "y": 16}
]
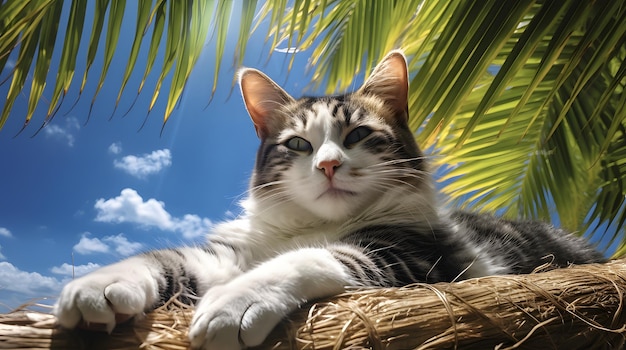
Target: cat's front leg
[
  {"x": 140, "y": 283},
  {"x": 242, "y": 313}
]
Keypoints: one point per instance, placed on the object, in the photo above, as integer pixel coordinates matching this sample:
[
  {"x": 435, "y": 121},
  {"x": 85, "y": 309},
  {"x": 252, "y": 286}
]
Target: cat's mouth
[{"x": 336, "y": 192}]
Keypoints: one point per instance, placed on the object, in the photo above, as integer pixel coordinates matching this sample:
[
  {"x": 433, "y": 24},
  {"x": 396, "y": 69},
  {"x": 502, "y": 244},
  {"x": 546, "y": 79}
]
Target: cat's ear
[
  {"x": 263, "y": 99},
  {"x": 390, "y": 82}
]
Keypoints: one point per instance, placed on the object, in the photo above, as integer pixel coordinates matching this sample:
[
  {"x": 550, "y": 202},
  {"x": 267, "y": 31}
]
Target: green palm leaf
[{"x": 31, "y": 27}]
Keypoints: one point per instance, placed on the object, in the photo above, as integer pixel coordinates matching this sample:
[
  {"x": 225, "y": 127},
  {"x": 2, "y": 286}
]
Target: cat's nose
[{"x": 329, "y": 166}]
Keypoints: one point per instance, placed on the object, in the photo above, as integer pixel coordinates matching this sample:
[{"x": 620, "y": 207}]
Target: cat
[{"x": 340, "y": 196}]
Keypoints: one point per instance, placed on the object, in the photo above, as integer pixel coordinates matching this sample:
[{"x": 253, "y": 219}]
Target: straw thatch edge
[{"x": 580, "y": 307}]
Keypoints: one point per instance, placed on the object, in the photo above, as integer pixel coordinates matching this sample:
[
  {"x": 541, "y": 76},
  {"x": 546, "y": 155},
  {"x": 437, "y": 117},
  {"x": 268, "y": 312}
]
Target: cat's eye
[
  {"x": 299, "y": 144},
  {"x": 357, "y": 135}
]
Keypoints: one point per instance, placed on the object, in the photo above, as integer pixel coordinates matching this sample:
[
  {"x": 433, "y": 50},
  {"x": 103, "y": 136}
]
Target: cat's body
[{"x": 341, "y": 196}]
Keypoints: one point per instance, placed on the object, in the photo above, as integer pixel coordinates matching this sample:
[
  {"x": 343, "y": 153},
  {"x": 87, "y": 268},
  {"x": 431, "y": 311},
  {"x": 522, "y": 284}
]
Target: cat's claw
[{"x": 234, "y": 317}]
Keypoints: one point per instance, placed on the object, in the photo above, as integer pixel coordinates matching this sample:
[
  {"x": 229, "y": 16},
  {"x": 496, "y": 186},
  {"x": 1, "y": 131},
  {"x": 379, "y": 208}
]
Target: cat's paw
[
  {"x": 105, "y": 296},
  {"x": 238, "y": 315}
]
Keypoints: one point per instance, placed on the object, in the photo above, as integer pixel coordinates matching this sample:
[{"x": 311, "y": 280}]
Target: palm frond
[{"x": 32, "y": 27}]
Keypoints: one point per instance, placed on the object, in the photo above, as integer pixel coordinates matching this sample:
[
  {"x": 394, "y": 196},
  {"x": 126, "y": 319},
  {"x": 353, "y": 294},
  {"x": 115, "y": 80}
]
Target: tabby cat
[{"x": 340, "y": 196}]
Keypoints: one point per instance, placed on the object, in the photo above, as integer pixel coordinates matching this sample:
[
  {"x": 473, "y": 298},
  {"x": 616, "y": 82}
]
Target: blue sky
[{"x": 99, "y": 190}]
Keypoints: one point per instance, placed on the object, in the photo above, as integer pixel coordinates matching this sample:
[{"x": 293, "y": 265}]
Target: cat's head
[{"x": 334, "y": 156}]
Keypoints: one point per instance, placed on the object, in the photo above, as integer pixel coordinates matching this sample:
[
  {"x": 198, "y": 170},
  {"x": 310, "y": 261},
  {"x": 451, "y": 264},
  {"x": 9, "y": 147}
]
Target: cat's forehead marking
[
  {"x": 335, "y": 112},
  {"x": 320, "y": 118}
]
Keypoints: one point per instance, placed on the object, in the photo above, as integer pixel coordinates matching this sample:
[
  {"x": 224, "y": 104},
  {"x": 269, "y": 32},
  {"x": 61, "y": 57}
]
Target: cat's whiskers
[
  {"x": 397, "y": 161},
  {"x": 413, "y": 213},
  {"x": 385, "y": 181},
  {"x": 267, "y": 184},
  {"x": 273, "y": 197},
  {"x": 386, "y": 167},
  {"x": 402, "y": 172},
  {"x": 269, "y": 192}
]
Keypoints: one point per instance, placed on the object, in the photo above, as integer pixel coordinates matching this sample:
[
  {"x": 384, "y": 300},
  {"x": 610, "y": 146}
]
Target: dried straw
[{"x": 574, "y": 308}]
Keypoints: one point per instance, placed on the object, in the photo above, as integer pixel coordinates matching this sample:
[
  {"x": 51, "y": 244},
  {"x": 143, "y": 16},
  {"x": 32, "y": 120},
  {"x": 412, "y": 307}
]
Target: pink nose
[{"x": 329, "y": 167}]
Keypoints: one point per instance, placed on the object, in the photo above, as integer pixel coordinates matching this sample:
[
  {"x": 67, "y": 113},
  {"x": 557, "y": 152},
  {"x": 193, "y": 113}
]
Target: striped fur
[{"x": 340, "y": 196}]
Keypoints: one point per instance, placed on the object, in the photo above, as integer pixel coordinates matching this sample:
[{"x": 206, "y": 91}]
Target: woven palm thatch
[{"x": 581, "y": 307}]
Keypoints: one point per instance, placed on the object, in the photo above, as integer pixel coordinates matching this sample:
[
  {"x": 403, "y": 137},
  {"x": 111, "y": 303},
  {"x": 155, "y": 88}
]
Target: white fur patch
[{"x": 242, "y": 312}]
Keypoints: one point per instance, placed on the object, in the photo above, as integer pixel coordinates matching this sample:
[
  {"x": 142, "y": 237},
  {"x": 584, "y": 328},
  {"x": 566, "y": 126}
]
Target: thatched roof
[{"x": 581, "y": 307}]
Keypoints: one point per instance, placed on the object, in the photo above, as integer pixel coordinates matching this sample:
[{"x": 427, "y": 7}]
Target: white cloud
[
  {"x": 30, "y": 284},
  {"x": 5, "y": 232},
  {"x": 74, "y": 271},
  {"x": 129, "y": 207},
  {"x": 119, "y": 243},
  {"x": 63, "y": 133},
  {"x": 115, "y": 148},
  {"x": 192, "y": 226},
  {"x": 88, "y": 245},
  {"x": 146, "y": 164},
  {"x": 122, "y": 245}
]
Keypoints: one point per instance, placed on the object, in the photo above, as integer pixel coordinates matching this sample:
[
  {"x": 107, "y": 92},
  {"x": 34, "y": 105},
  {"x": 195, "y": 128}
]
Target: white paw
[
  {"x": 100, "y": 296},
  {"x": 237, "y": 315}
]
